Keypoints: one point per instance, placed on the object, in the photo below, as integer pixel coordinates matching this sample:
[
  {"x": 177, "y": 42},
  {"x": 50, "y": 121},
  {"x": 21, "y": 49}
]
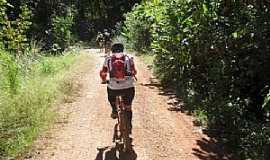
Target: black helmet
[{"x": 117, "y": 47}]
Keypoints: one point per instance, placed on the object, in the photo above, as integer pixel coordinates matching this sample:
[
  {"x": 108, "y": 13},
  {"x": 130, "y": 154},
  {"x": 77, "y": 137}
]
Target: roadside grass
[
  {"x": 26, "y": 97},
  {"x": 148, "y": 59}
]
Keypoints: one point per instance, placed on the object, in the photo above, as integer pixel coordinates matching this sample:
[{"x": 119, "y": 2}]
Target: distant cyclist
[
  {"x": 121, "y": 69},
  {"x": 107, "y": 41},
  {"x": 100, "y": 41}
]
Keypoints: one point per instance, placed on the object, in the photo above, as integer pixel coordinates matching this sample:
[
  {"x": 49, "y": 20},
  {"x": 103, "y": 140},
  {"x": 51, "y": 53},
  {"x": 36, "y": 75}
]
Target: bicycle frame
[{"x": 122, "y": 126}]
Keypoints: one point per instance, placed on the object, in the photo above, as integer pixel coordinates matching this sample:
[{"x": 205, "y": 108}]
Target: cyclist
[
  {"x": 100, "y": 40},
  {"x": 121, "y": 69},
  {"x": 107, "y": 41}
]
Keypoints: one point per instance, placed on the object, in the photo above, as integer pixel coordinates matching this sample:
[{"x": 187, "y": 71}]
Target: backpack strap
[
  {"x": 109, "y": 63},
  {"x": 127, "y": 64}
]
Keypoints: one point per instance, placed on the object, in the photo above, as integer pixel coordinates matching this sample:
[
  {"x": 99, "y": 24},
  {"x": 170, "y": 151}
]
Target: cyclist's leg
[
  {"x": 112, "y": 99},
  {"x": 107, "y": 48},
  {"x": 100, "y": 46},
  {"x": 128, "y": 98},
  {"x": 103, "y": 46}
]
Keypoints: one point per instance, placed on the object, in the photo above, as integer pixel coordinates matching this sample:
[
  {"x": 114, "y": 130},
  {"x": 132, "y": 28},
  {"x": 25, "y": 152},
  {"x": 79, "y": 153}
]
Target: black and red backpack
[{"x": 119, "y": 66}]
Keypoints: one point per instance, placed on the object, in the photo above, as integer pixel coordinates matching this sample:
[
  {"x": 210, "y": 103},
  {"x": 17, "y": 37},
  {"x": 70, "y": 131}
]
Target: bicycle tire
[
  {"x": 126, "y": 138},
  {"x": 123, "y": 126}
]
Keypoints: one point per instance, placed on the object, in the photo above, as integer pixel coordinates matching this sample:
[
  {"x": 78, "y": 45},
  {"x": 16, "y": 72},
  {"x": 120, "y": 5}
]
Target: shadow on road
[
  {"x": 114, "y": 153},
  {"x": 211, "y": 150},
  {"x": 174, "y": 102},
  {"x": 208, "y": 149}
]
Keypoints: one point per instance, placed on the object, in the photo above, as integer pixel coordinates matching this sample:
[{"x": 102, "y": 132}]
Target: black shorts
[{"x": 127, "y": 94}]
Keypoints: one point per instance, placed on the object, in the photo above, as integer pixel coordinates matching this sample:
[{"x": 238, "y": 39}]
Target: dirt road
[{"x": 84, "y": 130}]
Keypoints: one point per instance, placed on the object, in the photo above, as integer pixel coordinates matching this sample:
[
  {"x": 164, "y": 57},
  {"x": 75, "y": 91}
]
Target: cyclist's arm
[
  {"x": 103, "y": 72},
  {"x": 133, "y": 68}
]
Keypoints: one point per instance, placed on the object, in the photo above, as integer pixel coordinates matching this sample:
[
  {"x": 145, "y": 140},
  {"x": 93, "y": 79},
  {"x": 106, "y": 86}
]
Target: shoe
[{"x": 114, "y": 115}]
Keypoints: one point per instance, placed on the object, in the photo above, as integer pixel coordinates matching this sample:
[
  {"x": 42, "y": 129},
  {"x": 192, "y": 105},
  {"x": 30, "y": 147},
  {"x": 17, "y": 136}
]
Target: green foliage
[
  {"x": 26, "y": 112},
  {"x": 148, "y": 59},
  {"x": 3, "y": 4},
  {"x": 96, "y": 15},
  {"x": 216, "y": 54},
  {"x": 13, "y": 33},
  {"x": 137, "y": 29},
  {"x": 266, "y": 104},
  {"x": 62, "y": 30},
  {"x": 57, "y": 23},
  {"x": 9, "y": 79}
]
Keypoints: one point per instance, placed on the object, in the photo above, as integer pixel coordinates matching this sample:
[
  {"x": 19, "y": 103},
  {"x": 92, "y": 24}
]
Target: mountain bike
[{"x": 122, "y": 127}]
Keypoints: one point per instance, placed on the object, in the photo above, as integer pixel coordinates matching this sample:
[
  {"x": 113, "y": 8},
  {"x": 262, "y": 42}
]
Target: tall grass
[{"x": 27, "y": 92}]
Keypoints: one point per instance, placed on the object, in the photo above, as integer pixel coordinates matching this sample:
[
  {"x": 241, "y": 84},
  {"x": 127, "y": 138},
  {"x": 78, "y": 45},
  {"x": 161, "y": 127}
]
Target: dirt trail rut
[{"x": 84, "y": 130}]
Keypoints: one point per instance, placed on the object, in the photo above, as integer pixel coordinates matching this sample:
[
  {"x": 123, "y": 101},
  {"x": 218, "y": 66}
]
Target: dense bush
[
  {"x": 62, "y": 30},
  {"x": 137, "y": 29},
  {"x": 217, "y": 55},
  {"x": 13, "y": 33}
]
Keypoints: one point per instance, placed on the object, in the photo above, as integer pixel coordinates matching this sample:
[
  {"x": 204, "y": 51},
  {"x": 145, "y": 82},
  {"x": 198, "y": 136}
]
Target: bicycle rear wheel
[{"x": 126, "y": 138}]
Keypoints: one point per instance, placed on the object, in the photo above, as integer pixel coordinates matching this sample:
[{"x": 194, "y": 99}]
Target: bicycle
[{"x": 122, "y": 127}]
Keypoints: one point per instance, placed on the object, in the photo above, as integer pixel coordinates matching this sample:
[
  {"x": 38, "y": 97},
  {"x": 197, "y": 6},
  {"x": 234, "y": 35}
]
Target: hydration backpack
[{"x": 119, "y": 66}]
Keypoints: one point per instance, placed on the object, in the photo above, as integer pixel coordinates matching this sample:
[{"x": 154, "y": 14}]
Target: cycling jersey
[{"x": 117, "y": 84}]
